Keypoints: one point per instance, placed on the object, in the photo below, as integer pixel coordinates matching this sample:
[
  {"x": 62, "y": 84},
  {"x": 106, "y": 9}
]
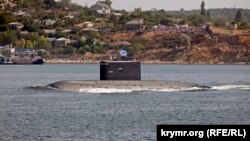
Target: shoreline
[{"x": 63, "y": 61}]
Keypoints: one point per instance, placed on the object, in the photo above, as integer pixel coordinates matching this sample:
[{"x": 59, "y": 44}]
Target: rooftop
[
  {"x": 136, "y": 21},
  {"x": 99, "y": 5}
]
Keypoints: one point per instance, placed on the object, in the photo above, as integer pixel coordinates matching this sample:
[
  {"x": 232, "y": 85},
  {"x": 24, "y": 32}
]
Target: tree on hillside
[
  {"x": 42, "y": 43},
  {"x": 31, "y": 3},
  {"x": 69, "y": 50},
  {"x": 65, "y": 2},
  {"x": 108, "y": 2},
  {"x": 208, "y": 14},
  {"x": 31, "y": 26},
  {"x": 166, "y": 21},
  {"x": 220, "y": 22},
  {"x": 5, "y": 18},
  {"x": 49, "y": 3},
  {"x": 137, "y": 13},
  {"x": 203, "y": 11},
  {"x": 239, "y": 16},
  {"x": 196, "y": 19},
  {"x": 244, "y": 25},
  {"x": 8, "y": 37},
  {"x": 29, "y": 44}
]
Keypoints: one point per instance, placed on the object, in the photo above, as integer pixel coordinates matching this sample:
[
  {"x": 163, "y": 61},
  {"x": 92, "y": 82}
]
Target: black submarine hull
[
  {"x": 120, "y": 86},
  {"x": 122, "y": 76}
]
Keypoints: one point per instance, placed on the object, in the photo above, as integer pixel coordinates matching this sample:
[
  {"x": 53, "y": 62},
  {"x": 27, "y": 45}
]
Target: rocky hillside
[{"x": 198, "y": 47}]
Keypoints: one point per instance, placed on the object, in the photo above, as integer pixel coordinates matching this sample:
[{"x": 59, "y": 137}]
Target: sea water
[{"x": 29, "y": 111}]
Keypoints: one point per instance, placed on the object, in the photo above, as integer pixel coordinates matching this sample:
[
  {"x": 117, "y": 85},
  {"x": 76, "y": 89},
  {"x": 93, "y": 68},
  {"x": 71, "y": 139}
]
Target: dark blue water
[{"x": 41, "y": 114}]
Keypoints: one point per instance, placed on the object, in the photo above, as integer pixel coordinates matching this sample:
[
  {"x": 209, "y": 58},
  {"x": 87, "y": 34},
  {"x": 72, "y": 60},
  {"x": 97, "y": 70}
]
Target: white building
[
  {"x": 62, "y": 42},
  {"x": 48, "y": 22},
  {"x": 88, "y": 24},
  {"x": 135, "y": 24},
  {"x": 22, "y": 14},
  {"x": 101, "y": 9},
  {"x": 15, "y": 25}
]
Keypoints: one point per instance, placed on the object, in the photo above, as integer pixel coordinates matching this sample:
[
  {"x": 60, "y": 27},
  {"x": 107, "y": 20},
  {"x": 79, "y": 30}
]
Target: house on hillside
[
  {"x": 24, "y": 33},
  {"x": 50, "y": 31},
  {"x": 7, "y": 5},
  {"x": 15, "y": 26},
  {"x": 3, "y": 6},
  {"x": 136, "y": 24},
  {"x": 70, "y": 16},
  {"x": 117, "y": 14},
  {"x": 88, "y": 24},
  {"x": 84, "y": 25},
  {"x": 101, "y": 9},
  {"x": 61, "y": 42},
  {"x": 22, "y": 14},
  {"x": 85, "y": 31},
  {"x": 48, "y": 22}
]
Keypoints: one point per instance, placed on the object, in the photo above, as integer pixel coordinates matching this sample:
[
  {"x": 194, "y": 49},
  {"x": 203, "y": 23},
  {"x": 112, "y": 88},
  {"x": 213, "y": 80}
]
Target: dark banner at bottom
[{"x": 203, "y": 132}]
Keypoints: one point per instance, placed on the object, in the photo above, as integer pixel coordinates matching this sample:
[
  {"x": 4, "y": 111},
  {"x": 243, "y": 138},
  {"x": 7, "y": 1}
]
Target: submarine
[{"x": 122, "y": 76}]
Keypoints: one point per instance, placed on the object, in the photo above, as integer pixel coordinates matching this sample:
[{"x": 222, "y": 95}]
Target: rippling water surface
[{"x": 42, "y": 114}]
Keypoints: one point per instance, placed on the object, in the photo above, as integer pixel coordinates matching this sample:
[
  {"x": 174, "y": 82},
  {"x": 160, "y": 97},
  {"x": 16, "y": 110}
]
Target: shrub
[{"x": 68, "y": 50}]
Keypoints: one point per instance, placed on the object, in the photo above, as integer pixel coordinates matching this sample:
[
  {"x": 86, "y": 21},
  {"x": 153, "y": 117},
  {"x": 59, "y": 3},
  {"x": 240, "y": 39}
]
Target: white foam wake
[
  {"x": 105, "y": 90},
  {"x": 229, "y": 87},
  {"x": 115, "y": 90}
]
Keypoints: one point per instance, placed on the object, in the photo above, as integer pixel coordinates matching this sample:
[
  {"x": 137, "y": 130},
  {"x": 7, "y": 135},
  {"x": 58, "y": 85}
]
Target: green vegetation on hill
[
  {"x": 67, "y": 15},
  {"x": 227, "y": 13}
]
